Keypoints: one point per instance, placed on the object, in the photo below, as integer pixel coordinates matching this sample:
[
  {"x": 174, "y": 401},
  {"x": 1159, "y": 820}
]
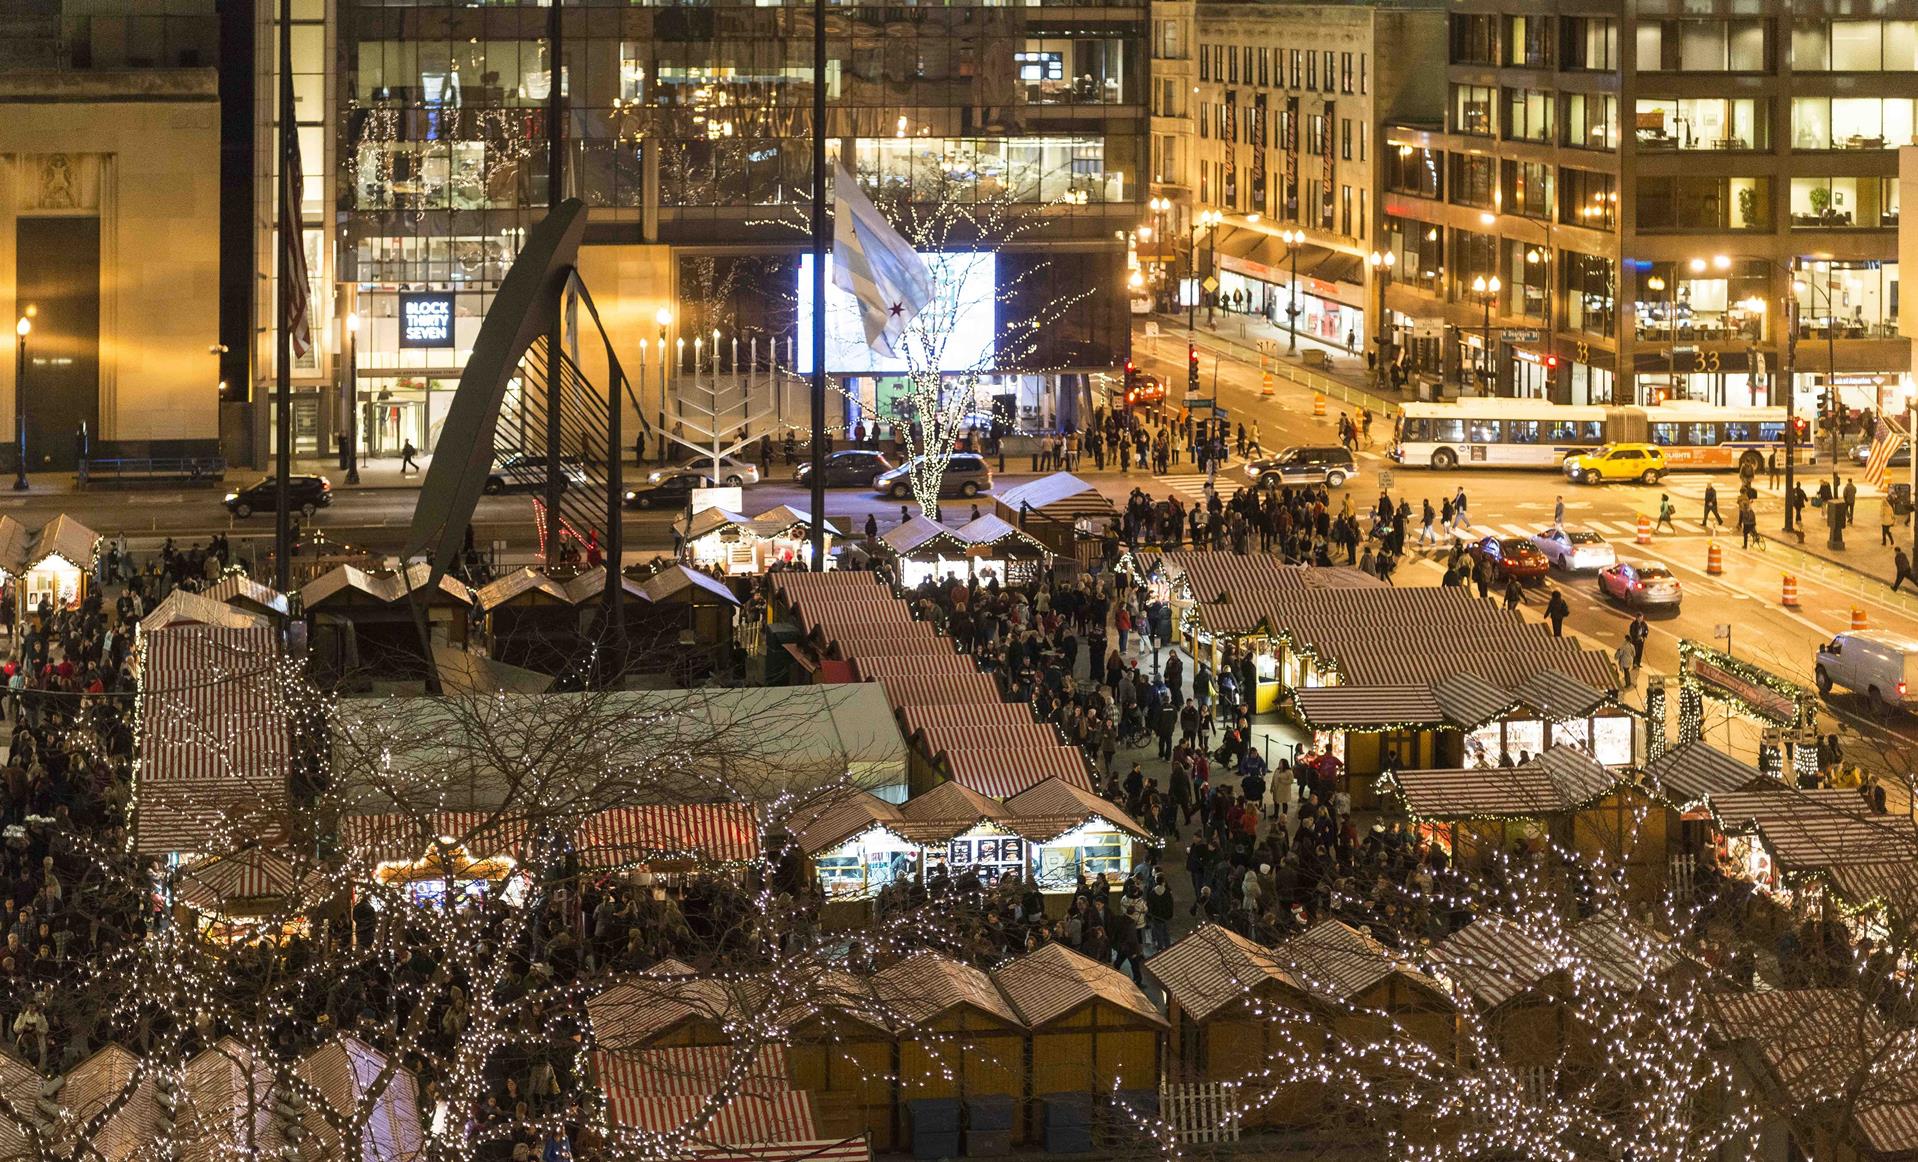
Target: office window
[
  {"x": 1528, "y": 42},
  {"x": 1591, "y": 42},
  {"x": 1472, "y": 109},
  {"x": 1587, "y": 199},
  {"x": 1528, "y": 115},
  {"x": 1591, "y": 121},
  {"x": 1474, "y": 180}
]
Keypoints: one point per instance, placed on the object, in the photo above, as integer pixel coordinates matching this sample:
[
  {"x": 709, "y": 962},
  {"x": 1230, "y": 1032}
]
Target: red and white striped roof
[
  {"x": 1005, "y": 773},
  {"x": 215, "y": 739},
  {"x": 703, "y": 832},
  {"x": 699, "y": 1069}
]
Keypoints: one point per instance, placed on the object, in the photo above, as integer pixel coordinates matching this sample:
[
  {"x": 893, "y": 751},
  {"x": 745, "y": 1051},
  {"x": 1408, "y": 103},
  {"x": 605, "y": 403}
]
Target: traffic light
[{"x": 1192, "y": 368}]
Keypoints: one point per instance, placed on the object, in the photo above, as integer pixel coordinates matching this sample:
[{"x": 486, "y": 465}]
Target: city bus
[{"x": 1527, "y": 433}]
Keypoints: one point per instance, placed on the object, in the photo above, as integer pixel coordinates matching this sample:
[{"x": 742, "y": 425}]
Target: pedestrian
[
  {"x": 1558, "y": 513},
  {"x": 407, "y": 452},
  {"x": 1710, "y": 515},
  {"x": 1886, "y": 518},
  {"x": 1901, "y": 569},
  {"x": 1665, "y": 512},
  {"x": 1557, "y": 611}
]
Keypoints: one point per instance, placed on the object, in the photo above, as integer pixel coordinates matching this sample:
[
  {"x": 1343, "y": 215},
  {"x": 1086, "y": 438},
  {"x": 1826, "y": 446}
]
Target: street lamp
[
  {"x": 352, "y": 397},
  {"x": 1294, "y": 242},
  {"x": 1208, "y": 221},
  {"x": 1487, "y": 290},
  {"x": 21, "y": 329},
  {"x": 664, "y": 317},
  {"x": 1382, "y": 263}
]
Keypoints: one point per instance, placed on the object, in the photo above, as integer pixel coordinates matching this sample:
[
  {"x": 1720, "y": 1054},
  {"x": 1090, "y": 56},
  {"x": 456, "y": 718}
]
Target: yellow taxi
[{"x": 1642, "y": 462}]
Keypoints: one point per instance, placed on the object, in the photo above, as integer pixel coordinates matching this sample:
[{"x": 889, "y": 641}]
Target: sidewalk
[{"x": 1238, "y": 336}]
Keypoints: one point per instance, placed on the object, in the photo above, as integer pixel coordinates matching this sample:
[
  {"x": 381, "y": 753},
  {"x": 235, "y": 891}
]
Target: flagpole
[
  {"x": 283, "y": 355},
  {"x": 818, "y": 529}
]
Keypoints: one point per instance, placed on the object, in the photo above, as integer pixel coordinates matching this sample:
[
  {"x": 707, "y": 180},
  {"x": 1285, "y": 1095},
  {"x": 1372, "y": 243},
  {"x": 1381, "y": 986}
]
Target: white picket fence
[
  {"x": 1204, "y": 1111},
  {"x": 1681, "y": 877}
]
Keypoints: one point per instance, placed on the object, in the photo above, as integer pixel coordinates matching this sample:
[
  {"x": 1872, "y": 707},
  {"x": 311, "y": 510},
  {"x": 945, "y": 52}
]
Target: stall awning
[{"x": 706, "y": 833}]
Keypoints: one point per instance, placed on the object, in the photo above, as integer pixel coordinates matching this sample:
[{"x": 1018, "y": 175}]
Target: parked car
[
  {"x": 1511, "y": 557},
  {"x": 1642, "y": 586},
  {"x": 307, "y": 494},
  {"x": 1575, "y": 548},
  {"x": 524, "y": 472},
  {"x": 1880, "y": 664},
  {"x": 848, "y": 467},
  {"x": 1330, "y": 466},
  {"x": 670, "y": 488},
  {"x": 1644, "y": 463},
  {"x": 967, "y": 474}
]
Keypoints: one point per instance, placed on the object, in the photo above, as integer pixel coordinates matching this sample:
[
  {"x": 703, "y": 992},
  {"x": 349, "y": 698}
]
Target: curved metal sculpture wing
[{"x": 526, "y": 307}]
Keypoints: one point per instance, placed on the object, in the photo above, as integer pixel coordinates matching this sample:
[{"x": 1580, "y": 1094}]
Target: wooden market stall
[
  {"x": 1232, "y": 1011},
  {"x": 1062, "y": 512},
  {"x": 733, "y": 544},
  {"x": 361, "y": 622},
  {"x": 1092, "y": 1030},
  {"x": 252, "y": 892},
  {"x": 1564, "y": 798},
  {"x": 959, "y": 1038}
]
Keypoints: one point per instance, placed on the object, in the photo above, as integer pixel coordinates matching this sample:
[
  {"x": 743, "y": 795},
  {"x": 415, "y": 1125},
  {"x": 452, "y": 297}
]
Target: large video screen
[{"x": 964, "y": 308}]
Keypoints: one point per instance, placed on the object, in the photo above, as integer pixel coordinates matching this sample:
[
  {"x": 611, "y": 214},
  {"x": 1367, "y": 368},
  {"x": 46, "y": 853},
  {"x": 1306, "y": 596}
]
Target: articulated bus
[{"x": 1525, "y": 433}]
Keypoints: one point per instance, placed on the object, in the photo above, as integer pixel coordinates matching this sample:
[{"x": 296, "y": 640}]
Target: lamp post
[
  {"x": 664, "y": 317},
  {"x": 1487, "y": 290},
  {"x": 1382, "y": 263},
  {"x": 352, "y": 397},
  {"x": 1294, "y": 242},
  {"x": 21, "y": 330},
  {"x": 1208, "y": 221}
]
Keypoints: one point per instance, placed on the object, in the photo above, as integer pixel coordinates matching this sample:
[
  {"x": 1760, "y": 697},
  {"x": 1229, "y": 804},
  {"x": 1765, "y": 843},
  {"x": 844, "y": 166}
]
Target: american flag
[
  {"x": 1885, "y": 440},
  {"x": 292, "y": 236}
]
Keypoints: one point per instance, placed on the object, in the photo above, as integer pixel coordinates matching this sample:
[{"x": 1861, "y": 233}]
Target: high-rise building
[
  {"x": 1277, "y": 131},
  {"x": 1659, "y": 191},
  {"x": 110, "y": 255},
  {"x": 688, "y": 135}
]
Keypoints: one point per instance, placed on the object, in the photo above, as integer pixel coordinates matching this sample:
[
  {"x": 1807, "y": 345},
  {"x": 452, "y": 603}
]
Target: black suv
[
  {"x": 1330, "y": 466},
  {"x": 307, "y": 494},
  {"x": 848, "y": 467}
]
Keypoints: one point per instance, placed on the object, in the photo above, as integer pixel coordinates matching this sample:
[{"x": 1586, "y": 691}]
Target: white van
[{"x": 1880, "y": 664}]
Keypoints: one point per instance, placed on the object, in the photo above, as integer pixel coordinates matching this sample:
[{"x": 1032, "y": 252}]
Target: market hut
[
  {"x": 348, "y": 1073},
  {"x": 958, "y": 1035},
  {"x": 1564, "y": 797},
  {"x": 1778, "y": 837},
  {"x": 682, "y": 599},
  {"x": 1092, "y": 1030},
  {"x": 1233, "y": 1010},
  {"x": 1073, "y": 831},
  {"x": 962, "y": 830},
  {"x": 1832, "y": 1080},
  {"x": 242, "y": 592},
  {"x": 89, "y": 1094},
  {"x": 254, "y": 891},
  {"x": 1062, "y": 512},
  {"x": 362, "y": 621},
  {"x": 55, "y": 565}
]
